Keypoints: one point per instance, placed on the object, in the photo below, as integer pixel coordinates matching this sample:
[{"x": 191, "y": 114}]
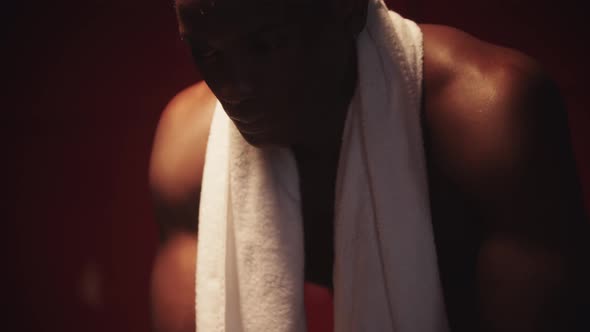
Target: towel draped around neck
[{"x": 250, "y": 249}]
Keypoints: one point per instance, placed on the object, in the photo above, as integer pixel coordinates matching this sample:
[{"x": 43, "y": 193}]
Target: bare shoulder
[
  {"x": 454, "y": 59},
  {"x": 491, "y": 112},
  {"x": 178, "y": 153}
]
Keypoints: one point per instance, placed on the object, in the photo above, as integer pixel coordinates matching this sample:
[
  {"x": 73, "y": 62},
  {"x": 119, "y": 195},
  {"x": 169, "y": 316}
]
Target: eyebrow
[{"x": 265, "y": 28}]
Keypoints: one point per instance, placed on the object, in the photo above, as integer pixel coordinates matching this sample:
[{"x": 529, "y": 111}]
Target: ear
[{"x": 352, "y": 12}]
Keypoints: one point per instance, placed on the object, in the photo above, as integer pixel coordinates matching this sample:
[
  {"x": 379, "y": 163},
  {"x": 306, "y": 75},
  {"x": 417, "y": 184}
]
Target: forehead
[
  {"x": 200, "y": 16},
  {"x": 223, "y": 4}
]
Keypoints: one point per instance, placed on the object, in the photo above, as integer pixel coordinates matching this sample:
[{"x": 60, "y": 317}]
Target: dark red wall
[{"x": 87, "y": 81}]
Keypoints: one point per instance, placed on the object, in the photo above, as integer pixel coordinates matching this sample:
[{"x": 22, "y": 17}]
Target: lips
[
  {"x": 236, "y": 100},
  {"x": 244, "y": 111},
  {"x": 233, "y": 102}
]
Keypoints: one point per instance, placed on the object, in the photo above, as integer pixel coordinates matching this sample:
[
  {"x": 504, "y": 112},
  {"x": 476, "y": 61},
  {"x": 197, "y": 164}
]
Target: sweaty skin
[{"x": 509, "y": 224}]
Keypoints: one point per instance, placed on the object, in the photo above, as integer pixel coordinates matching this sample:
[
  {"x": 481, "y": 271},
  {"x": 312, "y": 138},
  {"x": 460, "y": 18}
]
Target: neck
[{"x": 325, "y": 132}]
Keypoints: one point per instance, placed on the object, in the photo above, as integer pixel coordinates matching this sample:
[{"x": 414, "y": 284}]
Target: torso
[
  {"x": 457, "y": 235},
  {"x": 455, "y": 221},
  {"x": 318, "y": 222},
  {"x": 456, "y": 232}
]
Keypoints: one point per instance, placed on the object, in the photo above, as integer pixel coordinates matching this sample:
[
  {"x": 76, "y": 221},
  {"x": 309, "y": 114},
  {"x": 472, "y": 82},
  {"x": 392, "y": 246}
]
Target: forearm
[
  {"x": 173, "y": 284},
  {"x": 525, "y": 287}
]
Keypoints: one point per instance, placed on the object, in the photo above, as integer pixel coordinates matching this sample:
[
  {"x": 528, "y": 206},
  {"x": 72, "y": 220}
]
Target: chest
[
  {"x": 456, "y": 231},
  {"x": 455, "y": 227}
]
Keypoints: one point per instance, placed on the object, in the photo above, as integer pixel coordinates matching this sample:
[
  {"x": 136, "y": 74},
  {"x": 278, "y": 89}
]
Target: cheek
[
  {"x": 213, "y": 74},
  {"x": 286, "y": 67}
]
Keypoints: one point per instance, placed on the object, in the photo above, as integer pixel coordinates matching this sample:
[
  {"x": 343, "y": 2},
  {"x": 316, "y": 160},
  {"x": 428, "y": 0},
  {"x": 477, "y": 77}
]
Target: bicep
[{"x": 531, "y": 261}]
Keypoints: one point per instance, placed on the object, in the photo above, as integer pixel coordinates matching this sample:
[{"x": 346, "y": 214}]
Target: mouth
[
  {"x": 245, "y": 112},
  {"x": 234, "y": 101}
]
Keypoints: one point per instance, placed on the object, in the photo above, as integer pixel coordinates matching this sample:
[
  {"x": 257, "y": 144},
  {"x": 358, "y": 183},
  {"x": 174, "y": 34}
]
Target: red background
[{"x": 86, "y": 83}]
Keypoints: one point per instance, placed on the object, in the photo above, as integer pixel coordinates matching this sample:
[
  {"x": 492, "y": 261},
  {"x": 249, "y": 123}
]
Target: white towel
[{"x": 250, "y": 250}]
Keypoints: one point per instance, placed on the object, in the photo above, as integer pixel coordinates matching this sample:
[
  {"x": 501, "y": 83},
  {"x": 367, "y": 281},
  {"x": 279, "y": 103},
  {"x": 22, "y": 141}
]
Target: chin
[{"x": 266, "y": 141}]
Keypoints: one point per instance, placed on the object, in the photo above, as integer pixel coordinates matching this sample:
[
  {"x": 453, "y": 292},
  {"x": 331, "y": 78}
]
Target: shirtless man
[{"x": 507, "y": 214}]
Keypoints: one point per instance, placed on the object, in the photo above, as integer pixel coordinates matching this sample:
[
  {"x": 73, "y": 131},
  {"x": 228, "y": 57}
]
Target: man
[{"x": 506, "y": 211}]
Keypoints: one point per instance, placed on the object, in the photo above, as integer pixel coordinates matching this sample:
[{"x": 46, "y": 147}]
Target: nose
[{"x": 236, "y": 76}]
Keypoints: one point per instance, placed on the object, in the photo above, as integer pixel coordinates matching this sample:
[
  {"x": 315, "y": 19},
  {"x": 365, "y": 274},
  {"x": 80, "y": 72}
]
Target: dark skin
[{"x": 507, "y": 213}]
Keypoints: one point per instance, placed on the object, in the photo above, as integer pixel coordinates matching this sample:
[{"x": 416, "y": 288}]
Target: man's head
[{"x": 280, "y": 68}]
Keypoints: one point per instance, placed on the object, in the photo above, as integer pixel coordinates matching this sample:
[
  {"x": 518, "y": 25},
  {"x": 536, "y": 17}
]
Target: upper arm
[
  {"x": 518, "y": 164},
  {"x": 178, "y": 156},
  {"x": 175, "y": 173},
  {"x": 500, "y": 134},
  {"x": 521, "y": 174},
  {"x": 533, "y": 256}
]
